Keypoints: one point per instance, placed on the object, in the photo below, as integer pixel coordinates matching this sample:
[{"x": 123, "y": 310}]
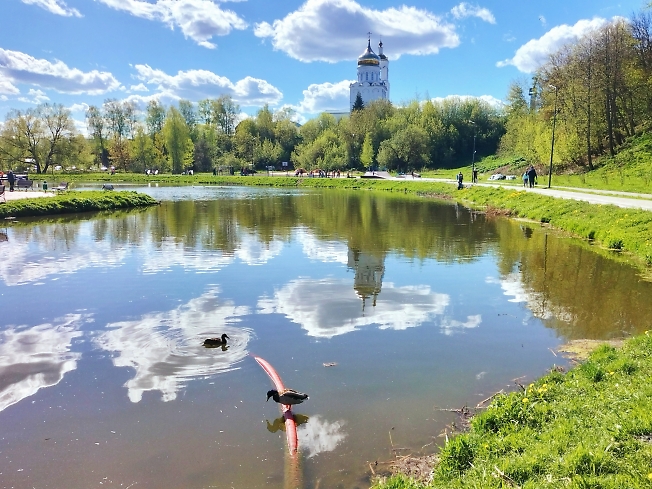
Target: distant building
[{"x": 373, "y": 76}]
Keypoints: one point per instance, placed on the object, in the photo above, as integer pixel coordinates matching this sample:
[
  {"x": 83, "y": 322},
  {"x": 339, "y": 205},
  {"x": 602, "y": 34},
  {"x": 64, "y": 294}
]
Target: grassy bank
[
  {"x": 72, "y": 202},
  {"x": 588, "y": 428}
]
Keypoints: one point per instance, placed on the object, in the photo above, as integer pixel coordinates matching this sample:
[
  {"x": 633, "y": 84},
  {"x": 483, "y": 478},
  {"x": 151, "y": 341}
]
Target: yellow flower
[
  {"x": 525, "y": 399},
  {"x": 649, "y": 476},
  {"x": 612, "y": 373}
]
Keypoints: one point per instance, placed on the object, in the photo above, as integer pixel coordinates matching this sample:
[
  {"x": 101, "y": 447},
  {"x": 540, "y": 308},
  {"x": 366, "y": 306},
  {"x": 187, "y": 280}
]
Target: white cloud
[
  {"x": 317, "y": 435},
  {"x": 201, "y": 84},
  {"x": 57, "y": 7},
  {"x": 6, "y": 87},
  {"x": 165, "y": 350},
  {"x": 34, "y": 97},
  {"x": 36, "y": 357},
  {"x": 324, "y": 251},
  {"x": 330, "y": 307},
  {"x": 332, "y": 31},
  {"x": 83, "y": 107},
  {"x": 199, "y": 20},
  {"x": 464, "y": 10},
  {"x": 17, "y": 67},
  {"x": 321, "y": 97},
  {"x": 529, "y": 57},
  {"x": 139, "y": 88}
]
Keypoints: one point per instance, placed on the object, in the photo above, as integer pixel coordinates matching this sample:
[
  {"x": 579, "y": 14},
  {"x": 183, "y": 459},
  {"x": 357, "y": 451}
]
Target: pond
[{"x": 386, "y": 310}]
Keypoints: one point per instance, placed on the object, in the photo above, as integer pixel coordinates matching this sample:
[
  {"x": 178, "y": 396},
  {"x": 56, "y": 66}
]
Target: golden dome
[{"x": 368, "y": 58}]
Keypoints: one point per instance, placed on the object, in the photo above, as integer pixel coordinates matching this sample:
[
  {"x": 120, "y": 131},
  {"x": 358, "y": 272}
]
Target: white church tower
[{"x": 373, "y": 76}]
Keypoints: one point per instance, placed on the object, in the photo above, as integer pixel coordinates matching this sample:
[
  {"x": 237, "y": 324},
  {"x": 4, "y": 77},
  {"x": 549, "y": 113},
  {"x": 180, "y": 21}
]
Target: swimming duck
[
  {"x": 287, "y": 396},
  {"x": 216, "y": 341}
]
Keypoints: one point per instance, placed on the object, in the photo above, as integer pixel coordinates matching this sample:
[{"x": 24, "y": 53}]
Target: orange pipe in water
[{"x": 290, "y": 423}]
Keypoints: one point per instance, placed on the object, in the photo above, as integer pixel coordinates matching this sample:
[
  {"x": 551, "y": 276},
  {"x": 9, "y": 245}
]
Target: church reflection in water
[{"x": 369, "y": 272}]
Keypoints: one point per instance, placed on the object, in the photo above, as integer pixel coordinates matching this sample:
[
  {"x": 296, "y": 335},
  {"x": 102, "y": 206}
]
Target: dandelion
[
  {"x": 612, "y": 373},
  {"x": 525, "y": 399},
  {"x": 649, "y": 476}
]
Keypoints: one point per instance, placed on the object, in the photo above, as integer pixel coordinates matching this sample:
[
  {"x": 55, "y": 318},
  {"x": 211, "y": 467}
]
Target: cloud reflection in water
[
  {"x": 330, "y": 307},
  {"x": 166, "y": 349},
  {"x": 37, "y": 357},
  {"x": 318, "y": 435}
]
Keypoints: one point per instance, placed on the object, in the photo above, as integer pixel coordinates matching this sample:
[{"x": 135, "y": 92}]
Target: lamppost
[
  {"x": 473, "y": 177},
  {"x": 554, "y": 123}
]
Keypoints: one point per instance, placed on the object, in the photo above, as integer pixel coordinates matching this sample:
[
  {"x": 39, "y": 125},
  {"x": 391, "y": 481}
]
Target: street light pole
[
  {"x": 554, "y": 123},
  {"x": 473, "y": 179}
]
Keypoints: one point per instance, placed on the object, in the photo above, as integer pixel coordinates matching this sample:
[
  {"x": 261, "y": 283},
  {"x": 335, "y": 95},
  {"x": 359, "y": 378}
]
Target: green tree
[
  {"x": 358, "y": 104},
  {"x": 367, "y": 155},
  {"x": 42, "y": 135},
  {"x": 177, "y": 141}
]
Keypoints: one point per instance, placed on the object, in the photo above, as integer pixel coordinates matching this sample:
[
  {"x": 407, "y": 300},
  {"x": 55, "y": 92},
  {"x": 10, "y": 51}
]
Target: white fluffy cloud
[
  {"x": 464, "y": 10},
  {"x": 325, "y": 308},
  {"x": 320, "y": 97},
  {"x": 332, "y": 31},
  {"x": 34, "y": 96},
  {"x": 199, "y": 20},
  {"x": 529, "y": 57},
  {"x": 200, "y": 84},
  {"x": 17, "y": 67},
  {"x": 36, "y": 357},
  {"x": 164, "y": 350},
  {"x": 6, "y": 87},
  {"x": 57, "y": 7}
]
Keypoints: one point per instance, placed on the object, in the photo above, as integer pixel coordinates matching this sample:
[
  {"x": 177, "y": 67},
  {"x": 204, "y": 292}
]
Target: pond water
[{"x": 421, "y": 305}]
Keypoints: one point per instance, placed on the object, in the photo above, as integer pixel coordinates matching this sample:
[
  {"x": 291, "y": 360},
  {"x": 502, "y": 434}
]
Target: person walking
[
  {"x": 460, "y": 179},
  {"x": 11, "y": 178},
  {"x": 532, "y": 176},
  {"x": 525, "y": 178}
]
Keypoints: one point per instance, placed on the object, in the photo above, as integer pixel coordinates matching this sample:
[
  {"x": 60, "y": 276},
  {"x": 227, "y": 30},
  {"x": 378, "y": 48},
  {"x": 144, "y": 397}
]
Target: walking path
[
  {"x": 629, "y": 200},
  {"x": 25, "y": 194}
]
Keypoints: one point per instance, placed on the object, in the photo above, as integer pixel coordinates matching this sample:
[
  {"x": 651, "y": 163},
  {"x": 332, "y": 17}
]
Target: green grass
[
  {"x": 587, "y": 428},
  {"x": 71, "y": 202}
]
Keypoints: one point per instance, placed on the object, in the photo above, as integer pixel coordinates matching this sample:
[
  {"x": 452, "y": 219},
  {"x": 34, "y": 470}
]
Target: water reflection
[
  {"x": 35, "y": 260},
  {"x": 166, "y": 349},
  {"x": 318, "y": 435},
  {"x": 36, "y": 357},
  {"x": 328, "y": 307},
  {"x": 279, "y": 423}
]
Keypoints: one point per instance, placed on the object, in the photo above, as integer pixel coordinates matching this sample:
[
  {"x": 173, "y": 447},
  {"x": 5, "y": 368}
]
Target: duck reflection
[
  {"x": 279, "y": 423},
  {"x": 166, "y": 349},
  {"x": 36, "y": 357}
]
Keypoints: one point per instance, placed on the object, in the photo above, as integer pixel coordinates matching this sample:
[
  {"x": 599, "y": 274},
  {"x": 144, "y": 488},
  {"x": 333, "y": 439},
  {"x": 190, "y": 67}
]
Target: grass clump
[
  {"x": 73, "y": 202},
  {"x": 589, "y": 428}
]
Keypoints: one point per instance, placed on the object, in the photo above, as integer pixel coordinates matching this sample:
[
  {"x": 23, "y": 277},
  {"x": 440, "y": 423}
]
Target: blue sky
[{"x": 293, "y": 53}]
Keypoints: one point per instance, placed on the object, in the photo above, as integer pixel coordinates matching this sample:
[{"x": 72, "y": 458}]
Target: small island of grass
[{"x": 74, "y": 202}]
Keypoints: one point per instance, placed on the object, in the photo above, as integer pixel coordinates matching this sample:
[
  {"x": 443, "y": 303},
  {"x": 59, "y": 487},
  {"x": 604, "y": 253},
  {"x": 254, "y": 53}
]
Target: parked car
[{"x": 497, "y": 176}]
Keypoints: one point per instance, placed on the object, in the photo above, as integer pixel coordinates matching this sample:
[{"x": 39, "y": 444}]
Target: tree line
[
  {"x": 596, "y": 91},
  {"x": 209, "y": 136}
]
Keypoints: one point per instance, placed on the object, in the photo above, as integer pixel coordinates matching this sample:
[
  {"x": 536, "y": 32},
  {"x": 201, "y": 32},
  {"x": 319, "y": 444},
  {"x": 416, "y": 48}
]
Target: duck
[
  {"x": 287, "y": 396},
  {"x": 219, "y": 341}
]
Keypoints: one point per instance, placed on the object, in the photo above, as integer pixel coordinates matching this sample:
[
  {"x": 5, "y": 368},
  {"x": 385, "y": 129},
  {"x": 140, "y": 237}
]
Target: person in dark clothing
[
  {"x": 11, "y": 178},
  {"x": 460, "y": 179},
  {"x": 531, "y": 176}
]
